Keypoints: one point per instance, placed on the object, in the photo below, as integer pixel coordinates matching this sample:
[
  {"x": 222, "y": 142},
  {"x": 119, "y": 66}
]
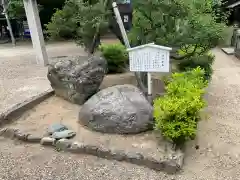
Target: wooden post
[{"x": 35, "y": 28}]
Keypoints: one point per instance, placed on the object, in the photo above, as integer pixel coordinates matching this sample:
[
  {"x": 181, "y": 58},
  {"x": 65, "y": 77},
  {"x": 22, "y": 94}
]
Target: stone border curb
[
  {"x": 169, "y": 165},
  {"x": 18, "y": 109}
]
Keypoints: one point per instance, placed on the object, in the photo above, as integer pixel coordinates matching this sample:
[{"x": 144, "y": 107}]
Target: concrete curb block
[
  {"x": 18, "y": 109},
  {"x": 169, "y": 165}
]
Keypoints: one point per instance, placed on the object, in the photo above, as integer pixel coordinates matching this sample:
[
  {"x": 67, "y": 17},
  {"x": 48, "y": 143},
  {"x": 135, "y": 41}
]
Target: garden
[{"x": 116, "y": 120}]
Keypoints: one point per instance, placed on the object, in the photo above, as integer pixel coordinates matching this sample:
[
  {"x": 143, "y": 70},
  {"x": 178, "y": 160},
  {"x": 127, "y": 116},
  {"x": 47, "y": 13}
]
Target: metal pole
[
  {"x": 127, "y": 44},
  {"x": 149, "y": 84},
  {"x": 120, "y": 23}
]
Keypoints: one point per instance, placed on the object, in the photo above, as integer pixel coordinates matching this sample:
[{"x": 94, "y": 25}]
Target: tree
[
  {"x": 16, "y": 9},
  {"x": 5, "y": 4},
  {"x": 181, "y": 24},
  {"x": 80, "y": 19},
  {"x": 91, "y": 25},
  {"x": 177, "y": 23},
  {"x": 63, "y": 23}
]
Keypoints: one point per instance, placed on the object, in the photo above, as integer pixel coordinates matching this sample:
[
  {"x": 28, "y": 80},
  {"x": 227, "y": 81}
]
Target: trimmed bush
[
  {"x": 187, "y": 83},
  {"x": 116, "y": 57},
  {"x": 178, "y": 112}
]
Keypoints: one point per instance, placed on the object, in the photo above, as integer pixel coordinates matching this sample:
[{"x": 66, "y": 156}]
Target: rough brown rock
[{"x": 77, "y": 78}]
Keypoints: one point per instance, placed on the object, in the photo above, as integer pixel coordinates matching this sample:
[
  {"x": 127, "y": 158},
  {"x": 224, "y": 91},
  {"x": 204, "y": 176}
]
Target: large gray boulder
[
  {"x": 121, "y": 109},
  {"x": 77, "y": 78}
]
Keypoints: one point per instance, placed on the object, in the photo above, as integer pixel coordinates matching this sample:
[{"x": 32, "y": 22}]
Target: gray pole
[
  {"x": 120, "y": 23},
  {"x": 138, "y": 75},
  {"x": 5, "y": 6}
]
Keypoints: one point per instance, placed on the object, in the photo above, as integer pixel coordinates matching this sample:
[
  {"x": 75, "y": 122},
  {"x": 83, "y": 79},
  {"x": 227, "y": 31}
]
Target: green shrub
[
  {"x": 172, "y": 119},
  {"x": 190, "y": 83},
  {"x": 178, "y": 112},
  {"x": 116, "y": 57},
  {"x": 200, "y": 59}
]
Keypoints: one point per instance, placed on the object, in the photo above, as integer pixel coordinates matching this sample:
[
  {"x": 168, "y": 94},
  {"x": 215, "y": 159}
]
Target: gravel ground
[
  {"x": 20, "y": 76},
  {"x": 33, "y": 162},
  {"x": 216, "y": 159}
]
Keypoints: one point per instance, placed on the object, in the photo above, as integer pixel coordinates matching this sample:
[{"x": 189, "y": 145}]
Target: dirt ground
[
  {"x": 56, "y": 110},
  {"x": 216, "y": 159}
]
